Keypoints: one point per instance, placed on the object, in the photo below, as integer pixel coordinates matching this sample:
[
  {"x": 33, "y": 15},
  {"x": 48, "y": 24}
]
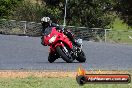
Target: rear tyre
[
  {"x": 51, "y": 58},
  {"x": 81, "y": 57},
  {"x": 65, "y": 56}
]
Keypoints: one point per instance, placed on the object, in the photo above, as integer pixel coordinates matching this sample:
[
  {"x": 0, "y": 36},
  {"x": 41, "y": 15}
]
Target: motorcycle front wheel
[
  {"x": 66, "y": 56},
  {"x": 51, "y": 58}
]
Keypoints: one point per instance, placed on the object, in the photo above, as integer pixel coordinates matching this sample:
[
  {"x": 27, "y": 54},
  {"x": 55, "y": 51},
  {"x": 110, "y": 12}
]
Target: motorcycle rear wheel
[
  {"x": 65, "y": 57},
  {"x": 81, "y": 57}
]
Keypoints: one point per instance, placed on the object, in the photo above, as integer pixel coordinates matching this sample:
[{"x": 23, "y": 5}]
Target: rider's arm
[{"x": 58, "y": 27}]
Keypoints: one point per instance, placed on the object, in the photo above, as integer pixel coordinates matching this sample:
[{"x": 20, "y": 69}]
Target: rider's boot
[
  {"x": 76, "y": 43},
  {"x": 69, "y": 35}
]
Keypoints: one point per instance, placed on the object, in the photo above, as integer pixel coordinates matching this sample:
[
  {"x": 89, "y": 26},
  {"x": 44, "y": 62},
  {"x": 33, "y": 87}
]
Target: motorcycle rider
[{"x": 47, "y": 23}]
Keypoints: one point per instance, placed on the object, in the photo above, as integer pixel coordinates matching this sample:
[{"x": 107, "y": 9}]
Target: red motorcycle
[{"x": 61, "y": 47}]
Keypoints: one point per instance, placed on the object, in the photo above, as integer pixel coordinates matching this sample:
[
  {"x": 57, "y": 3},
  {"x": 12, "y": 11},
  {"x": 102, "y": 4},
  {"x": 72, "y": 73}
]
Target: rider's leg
[{"x": 69, "y": 35}]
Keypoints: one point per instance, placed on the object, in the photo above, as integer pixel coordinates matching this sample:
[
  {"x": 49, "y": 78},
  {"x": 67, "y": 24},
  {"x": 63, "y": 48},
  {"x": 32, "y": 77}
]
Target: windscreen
[{"x": 48, "y": 31}]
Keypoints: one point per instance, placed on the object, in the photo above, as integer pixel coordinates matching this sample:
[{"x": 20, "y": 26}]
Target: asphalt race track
[{"x": 27, "y": 53}]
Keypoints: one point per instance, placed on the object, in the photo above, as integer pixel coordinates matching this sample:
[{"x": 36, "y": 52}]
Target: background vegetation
[
  {"x": 90, "y": 13},
  {"x": 114, "y": 14}
]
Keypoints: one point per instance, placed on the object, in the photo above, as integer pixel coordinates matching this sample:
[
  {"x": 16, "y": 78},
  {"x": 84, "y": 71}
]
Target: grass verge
[
  {"x": 124, "y": 37},
  {"x": 52, "y": 80},
  {"x": 35, "y": 82},
  {"x": 120, "y": 33}
]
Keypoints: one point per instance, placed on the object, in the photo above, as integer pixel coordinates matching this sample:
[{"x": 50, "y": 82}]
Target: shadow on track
[{"x": 56, "y": 62}]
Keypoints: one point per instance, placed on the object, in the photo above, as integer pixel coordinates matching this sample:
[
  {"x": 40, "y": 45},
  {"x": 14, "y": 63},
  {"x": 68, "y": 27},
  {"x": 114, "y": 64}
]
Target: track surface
[{"x": 26, "y": 53}]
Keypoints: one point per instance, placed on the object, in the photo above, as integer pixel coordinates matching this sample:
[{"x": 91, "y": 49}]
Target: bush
[{"x": 29, "y": 11}]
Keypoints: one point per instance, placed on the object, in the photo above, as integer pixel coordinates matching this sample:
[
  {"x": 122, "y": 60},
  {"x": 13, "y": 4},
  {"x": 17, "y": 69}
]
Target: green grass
[
  {"x": 120, "y": 37},
  {"x": 119, "y": 25},
  {"x": 35, "y": 82},
  {"x": 120, "y": 32}
]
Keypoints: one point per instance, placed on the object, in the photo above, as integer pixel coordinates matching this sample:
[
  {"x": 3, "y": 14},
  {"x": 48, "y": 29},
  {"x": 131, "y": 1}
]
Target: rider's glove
[
  {"x": 42, "y": 42},
  {"x": 63, "y": 29}
]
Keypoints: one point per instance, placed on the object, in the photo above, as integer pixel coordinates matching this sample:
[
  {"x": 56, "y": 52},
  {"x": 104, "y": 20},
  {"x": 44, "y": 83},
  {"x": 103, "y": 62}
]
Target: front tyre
[
  {"x": 81, "y": 57},
  {"x": 51, "y": 58},
  {"x": 65, "y": 55}
]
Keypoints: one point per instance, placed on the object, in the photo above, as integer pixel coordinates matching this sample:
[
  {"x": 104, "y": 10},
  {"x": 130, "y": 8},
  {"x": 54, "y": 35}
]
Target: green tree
[
  {"x": 124, "y": 9},
  {"x": 29, "y": 11},
  {"x": 55, "y": 9},
  {"x": 91, "y": 13},
  {"x": 7, "y": 7}
]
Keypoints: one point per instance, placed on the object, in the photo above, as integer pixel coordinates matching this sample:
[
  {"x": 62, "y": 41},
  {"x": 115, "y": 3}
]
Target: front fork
[
  {"x": 65, "y": 49},
  {"x": 52, "y": 48}
]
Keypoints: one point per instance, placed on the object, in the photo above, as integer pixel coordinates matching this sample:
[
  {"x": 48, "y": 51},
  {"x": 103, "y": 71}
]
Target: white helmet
[{"x": 45, "y": 19}]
